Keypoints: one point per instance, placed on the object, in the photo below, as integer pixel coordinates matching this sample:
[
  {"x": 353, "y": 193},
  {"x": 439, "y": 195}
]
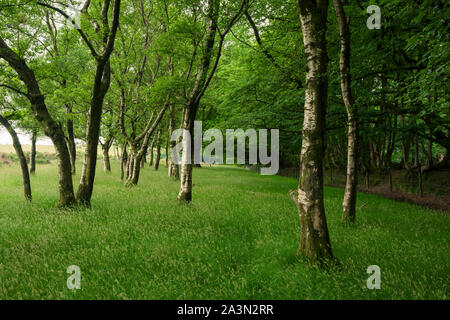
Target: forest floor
[
  {"x": 237, "y": 240},
  {"x": 431, "y": 201},
  {"x": 436, "y": 186}
]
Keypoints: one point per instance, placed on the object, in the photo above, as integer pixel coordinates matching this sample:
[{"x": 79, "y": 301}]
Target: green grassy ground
[{"x": 237, "y": 240}]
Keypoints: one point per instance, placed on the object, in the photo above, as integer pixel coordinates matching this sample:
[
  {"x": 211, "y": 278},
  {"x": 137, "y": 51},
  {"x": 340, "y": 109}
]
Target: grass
[{"x": 237, "y": 240}]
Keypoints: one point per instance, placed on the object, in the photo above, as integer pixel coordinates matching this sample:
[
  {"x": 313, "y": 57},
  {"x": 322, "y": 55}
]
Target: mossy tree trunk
[{"x": 315, "y": 243}]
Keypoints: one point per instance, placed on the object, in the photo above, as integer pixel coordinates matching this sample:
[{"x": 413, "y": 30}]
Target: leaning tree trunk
[
  {"x": 33, "y": 152},
  {"x": 51, "y": 128},
  {"x": 349, "y": 203},
  {"x": 71, "y": 139},
  {"x": 314, "y": 238},
  {"x": 158, "y": 150},
  {"x": 21, "y": 156}
]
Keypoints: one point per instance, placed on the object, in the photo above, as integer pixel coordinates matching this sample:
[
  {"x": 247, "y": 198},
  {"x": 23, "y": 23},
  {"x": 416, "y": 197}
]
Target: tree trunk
[
  {"x": 150, "y": 161},
  {"x": 174, "y": 171},
  {"x": 367, "y": 179},
  {"x": 314, "y": 238},
  {"x": 185, "y": 193},
  {"x": 158, "y": 150},
  {"x": 102, "y": 81},
  {"x": 349, "y": 203},
  {"x": 201, "y": 83},
  {"x": 71, "y": 139},
  {"x": 405, "y": 144},
  {"x": 418, "y": 166},
  {"x": 430, "y": 152},
  {"x": 136, "y": 161},
  {"x": 144, "y": 158},
  {"x": 21, "y": 156},
  {"x": 391, "y": 144},
  {"x": 123, "y": 160},
  {"x": 405, "y": 155},
  {"x": 145, "y": 137},
  {"x": 135, "y": 169},
  {"x": 166, "y": 159},
  {"x": 101, "y": 86},
  {"x": 129, "y": 170},
  {"x": 51, "y": 128},
  {"x": 106, "y": 160},
  {"x": 33, "y": 152}
]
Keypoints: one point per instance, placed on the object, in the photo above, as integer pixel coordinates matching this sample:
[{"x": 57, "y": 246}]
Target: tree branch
[
  {"x": 112, "y": 33},
  {"x": 83, "y": 35},
  {"x": 14, "y": 89}
]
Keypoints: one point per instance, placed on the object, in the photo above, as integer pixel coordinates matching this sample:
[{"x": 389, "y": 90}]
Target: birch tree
[
  {"x": 349, "y": 203},
  {"x": 205, "y": 73},
  {"x": 314, "y": 238}
]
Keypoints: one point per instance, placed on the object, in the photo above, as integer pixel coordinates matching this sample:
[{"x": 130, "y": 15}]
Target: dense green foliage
[{"x": 400, "y": 73}]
